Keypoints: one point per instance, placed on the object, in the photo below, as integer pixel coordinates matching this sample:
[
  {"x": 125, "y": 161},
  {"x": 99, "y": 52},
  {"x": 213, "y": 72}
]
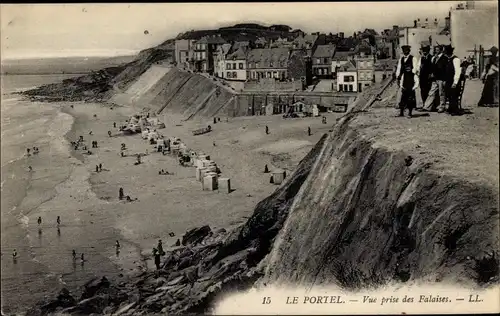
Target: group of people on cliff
[{"x": 441, "y": 77}]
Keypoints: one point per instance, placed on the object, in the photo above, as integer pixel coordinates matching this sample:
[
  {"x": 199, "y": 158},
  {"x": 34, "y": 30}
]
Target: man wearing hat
[
  {"x": 452, "y": 74},
  {"x": 406, "y": 74},
  {"x": 436, "y": 97},
  {"x": 425, "y": 71}
]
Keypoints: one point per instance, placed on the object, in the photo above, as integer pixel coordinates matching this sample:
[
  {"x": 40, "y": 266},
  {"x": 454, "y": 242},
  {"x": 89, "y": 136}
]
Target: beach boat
[{"x": 202, "y": 131}]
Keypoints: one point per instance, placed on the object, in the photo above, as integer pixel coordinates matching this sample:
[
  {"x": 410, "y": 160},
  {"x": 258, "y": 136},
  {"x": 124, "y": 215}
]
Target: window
[
  {"x": 341, "y": 87},
  {"x": 275, "y": 74},
  {"x": 318, "y": 61},
  {"x": 350, "y": 88},
  {"x": 367, "y": 84},
  {"x": 271, "y": 64},
  {"x": 346, "y": 87},
  {"x": 325, "y": 60},
  {"x": 203, "y": 55},
  {"x": 228, "y": 74},
  {"x": 256, "y": 65},
  {"x": 235, "y": 75},
  {"x": 240, "y": 65},
  {"x": 384, "y": 76}
]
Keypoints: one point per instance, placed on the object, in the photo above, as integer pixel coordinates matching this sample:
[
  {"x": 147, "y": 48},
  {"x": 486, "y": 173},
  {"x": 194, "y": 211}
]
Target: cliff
[{"x": 379, "y": 199}]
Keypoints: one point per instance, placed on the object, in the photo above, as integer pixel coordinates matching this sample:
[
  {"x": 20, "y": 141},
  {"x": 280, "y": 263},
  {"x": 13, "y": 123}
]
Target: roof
[
  {"x": 237, "y": 45},
  {"x": 324, "y": 51},
  {"x": 342, "y": 55},
  {"x": 350, "y": 66},
  {"x": 267, "y": 56},
  {"x": 240, "y": 53},
  {"x": 305, "y": 41}
]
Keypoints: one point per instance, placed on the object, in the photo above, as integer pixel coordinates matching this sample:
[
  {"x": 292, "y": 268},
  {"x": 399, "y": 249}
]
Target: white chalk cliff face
[{"x": 366, "y": 216}]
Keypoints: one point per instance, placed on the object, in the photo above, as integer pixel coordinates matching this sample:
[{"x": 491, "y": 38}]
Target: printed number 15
[{"x": 266, "y": 300}]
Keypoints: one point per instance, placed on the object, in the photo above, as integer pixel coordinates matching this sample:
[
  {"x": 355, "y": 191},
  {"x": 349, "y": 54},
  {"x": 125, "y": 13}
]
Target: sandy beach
[{"x": 174, "y": 203}]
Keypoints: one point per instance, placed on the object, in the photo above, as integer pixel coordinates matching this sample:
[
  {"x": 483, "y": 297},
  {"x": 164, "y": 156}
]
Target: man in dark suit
[
  {"x": 425, "y": 72},
  {"x": 406, "y": 74},
  {"x": 453, "y": 73}
]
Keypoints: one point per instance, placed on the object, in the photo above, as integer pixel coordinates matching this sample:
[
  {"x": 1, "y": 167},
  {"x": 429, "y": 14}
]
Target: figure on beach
[
  {"x": 160, "y": 248},
  {"x": 109, "y": 133},
  {"x": 114, "y": 125},
  {"x": 74, "y": 254},
  {"x": 117, "y": 245},
  {"x": 28, "y": 151},
  {"x": 120, "y": 194},
  {"x": 157, "y": 258},
  {"x": 58, "y": 220},
  {"x": 14, "y": 255},
  {"x": 100, "y": 167},
  {"x": 30, "y": 168},
  {"x": 96, "y": 168},
  {"x": 267, "y": 130},
  {"x": 309, "y": 131},
  {"x": 39, "y": 221},
  {"x": 82, "y": 258}
]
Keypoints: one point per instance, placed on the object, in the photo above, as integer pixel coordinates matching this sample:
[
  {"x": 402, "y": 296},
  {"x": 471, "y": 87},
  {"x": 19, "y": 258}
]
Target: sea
[{"x": 44, "y": 262}]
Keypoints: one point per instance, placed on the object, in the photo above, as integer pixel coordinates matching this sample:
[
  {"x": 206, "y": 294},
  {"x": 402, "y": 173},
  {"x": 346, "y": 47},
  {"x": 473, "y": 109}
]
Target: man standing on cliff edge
[{"x": 407, "y": 77}]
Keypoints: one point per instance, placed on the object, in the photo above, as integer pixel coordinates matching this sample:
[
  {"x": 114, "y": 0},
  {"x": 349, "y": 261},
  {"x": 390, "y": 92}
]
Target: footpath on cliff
[{"x": 390, "y": 199}]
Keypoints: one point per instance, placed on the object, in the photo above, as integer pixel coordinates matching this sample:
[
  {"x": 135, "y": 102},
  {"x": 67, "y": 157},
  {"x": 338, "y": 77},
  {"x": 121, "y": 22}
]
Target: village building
[
  {"x": 260, "y": 43},
  {"x": 220, "y": 59},
  {"x": 347, "y": 77},
  {"x": 268, "y": 63},
  {"x": 384, "y": 69},
  {"x": 365, "y": 65},
  {"x": 307, "y": 42},
  {"x": 183, "y": 52},
  {"x": 300, "y": 67},
  {"x": 468, "y": 24},
  {"x": 236, "y": 64},
  {"x": 203, "y": 53},
  {"x": 433, "y": 31},
  {"x": 280, "y": 42},
  {"x": 340, "y": 59},
  {"x": 322, "y": 61}
]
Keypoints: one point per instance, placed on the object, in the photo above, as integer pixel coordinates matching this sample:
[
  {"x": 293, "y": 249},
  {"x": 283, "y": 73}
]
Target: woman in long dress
[{"x": 489, "y": 97}]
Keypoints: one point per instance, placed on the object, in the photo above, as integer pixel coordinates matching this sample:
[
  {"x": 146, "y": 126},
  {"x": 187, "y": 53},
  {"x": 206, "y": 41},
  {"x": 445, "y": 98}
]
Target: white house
[
  {"x": 347, "y": 77},
  {"x": 236, "y": 65}
]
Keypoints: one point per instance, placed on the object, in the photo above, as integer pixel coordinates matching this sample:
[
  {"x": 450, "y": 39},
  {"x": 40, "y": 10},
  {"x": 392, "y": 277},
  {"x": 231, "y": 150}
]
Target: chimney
[
  {"x": 414, "y": 23},
  {"x": 447, "y": 22}
]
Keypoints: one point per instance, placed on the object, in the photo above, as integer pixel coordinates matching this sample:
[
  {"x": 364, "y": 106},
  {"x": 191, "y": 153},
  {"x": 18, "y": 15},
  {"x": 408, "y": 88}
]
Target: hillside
[{"x": 386, "y": 206}]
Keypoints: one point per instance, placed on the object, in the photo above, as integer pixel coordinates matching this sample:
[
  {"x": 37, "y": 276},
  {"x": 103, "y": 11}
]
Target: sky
[{"x": 56, "y": 30}]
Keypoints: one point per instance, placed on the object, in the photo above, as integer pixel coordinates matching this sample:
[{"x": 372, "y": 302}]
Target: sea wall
[{"x": 165, "y": 89}]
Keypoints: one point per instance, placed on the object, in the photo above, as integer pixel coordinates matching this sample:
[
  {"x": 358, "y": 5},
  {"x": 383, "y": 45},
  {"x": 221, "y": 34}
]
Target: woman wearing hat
[{"x": 489, "y": 97}]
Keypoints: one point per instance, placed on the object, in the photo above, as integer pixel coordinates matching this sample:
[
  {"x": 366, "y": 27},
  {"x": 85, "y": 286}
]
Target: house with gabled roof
[
  {"x": 347, "y": 77},
  {"x": 268, "y": 63},
  {"x": 322, "y": 61},
  {"x": 235, "y": 64},
  {"x": 308, "y": 42}
]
